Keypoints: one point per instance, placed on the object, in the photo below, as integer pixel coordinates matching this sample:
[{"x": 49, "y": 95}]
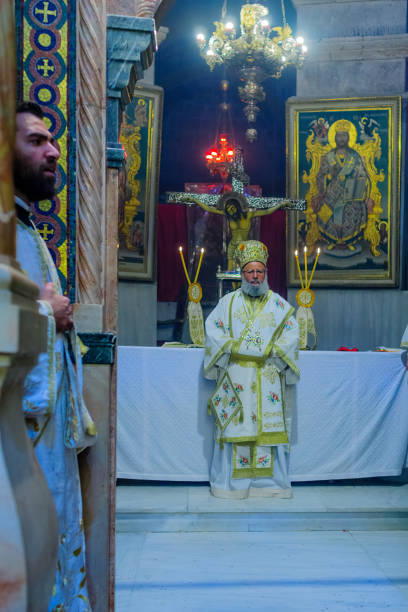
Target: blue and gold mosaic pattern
[{"x": 46, "y": 75}]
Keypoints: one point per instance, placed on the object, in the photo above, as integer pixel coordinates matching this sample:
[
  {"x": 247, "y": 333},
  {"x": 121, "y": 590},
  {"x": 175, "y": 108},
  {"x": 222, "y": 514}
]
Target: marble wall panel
[
  {"x": 317, "y": 20},
  {"x": 137, "y": 322},
  {"x": 351, "y": 78}
]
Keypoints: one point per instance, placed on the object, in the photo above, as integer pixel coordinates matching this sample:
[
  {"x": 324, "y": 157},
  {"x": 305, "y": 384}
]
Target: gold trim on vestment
[
  {"x": 274, "y": 438},
  {"x": 218, "y": 355},
  {"x": 282, "y": 355},
  {"x": 253, "y": 471}
]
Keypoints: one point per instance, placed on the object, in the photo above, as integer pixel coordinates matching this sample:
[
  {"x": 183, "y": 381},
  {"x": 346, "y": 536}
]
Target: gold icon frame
[{"x": 375, "y": 136}]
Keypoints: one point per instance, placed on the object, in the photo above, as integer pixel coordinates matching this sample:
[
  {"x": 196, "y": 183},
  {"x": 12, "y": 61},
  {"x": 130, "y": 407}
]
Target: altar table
[{"x": 351, "y": 416}]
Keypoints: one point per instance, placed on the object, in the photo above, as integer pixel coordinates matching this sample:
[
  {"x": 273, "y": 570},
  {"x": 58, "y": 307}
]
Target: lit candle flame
[
  {"x": 314, "y": 267},
  {"x": 299, "y": 270},
  {"x": 184, "y": 264},
  {"x": 305, "y": 252},
  {"x": 199, "y": 265}
]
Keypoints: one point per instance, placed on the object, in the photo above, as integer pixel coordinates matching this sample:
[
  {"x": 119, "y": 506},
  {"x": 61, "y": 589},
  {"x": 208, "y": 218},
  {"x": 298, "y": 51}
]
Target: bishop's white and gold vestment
[{"x": 252, "y": 352}]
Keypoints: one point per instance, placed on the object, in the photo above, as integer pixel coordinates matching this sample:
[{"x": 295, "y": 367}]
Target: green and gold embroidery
[
  {"x": 267, "y": 319},
  {"x": 252, "y": 461},
  {"x": 241, "y": 315},
  {"x": 270, "y": 373}
]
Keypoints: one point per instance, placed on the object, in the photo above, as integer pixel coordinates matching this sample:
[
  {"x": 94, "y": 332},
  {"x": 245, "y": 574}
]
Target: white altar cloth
[{"x": 352, "y": 415}]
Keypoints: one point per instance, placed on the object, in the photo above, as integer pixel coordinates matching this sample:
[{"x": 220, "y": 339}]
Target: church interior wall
[
  {"x": 351, "y": 78},
  {"x": 356, "y": 49},
  {"x": 363, "y": 318},
  {"x": 137, "y": 315},
  {"x": 322, "y": 18},
  {"x": 140, "y": 298}
]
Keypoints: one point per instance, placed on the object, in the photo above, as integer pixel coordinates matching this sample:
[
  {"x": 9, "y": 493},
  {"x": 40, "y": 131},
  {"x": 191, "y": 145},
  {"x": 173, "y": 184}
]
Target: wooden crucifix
[{"x": 238, "y": 209}]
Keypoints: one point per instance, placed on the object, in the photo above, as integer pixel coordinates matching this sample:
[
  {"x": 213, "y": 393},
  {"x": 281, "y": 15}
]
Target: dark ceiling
[{"x": 192, "y": 95}]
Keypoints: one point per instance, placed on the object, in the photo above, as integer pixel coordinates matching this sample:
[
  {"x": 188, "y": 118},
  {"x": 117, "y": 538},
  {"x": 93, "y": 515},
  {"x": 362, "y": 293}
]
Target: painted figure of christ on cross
[{"x": 238, "y": 209}]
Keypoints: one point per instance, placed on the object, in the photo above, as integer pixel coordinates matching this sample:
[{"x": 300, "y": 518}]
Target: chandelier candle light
[
  {"x": 261, "y": 52},
  {"x": 220, "y": 157},
  {"x": 194, "y": 310},
  {"x": 305, "y": 298}
]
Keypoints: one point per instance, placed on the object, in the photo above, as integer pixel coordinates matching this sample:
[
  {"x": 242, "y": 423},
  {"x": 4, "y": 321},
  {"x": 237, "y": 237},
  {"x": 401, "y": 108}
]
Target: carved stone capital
[
  {"x": 147, "y": 8},
  {"x": 100, "y": 348},
  {"x": 162, "y": 34},
  {"x": 131, "y": 42}
]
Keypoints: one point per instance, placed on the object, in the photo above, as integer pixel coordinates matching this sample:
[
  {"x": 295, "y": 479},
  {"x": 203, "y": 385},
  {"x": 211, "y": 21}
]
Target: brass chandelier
[{"x": 261, "y": 52}]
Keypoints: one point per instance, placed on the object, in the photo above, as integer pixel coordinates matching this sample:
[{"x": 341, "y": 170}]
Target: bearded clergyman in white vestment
[
  {"x": 58, "y": 422},
  {"x": 252, "y": 351}
]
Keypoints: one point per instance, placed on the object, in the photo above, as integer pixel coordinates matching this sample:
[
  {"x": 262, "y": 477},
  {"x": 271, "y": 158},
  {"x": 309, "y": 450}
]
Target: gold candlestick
[
  {"x": 298, "y": 267},
  {"x": 194, "y": 310},
  {"x": 305, "y": 298},
  {"x": 184, "y": 265},
  {"x": 314, "y": 267},
  {"x": 305, "y": 252},
  {"x": 199, "y": 265}
]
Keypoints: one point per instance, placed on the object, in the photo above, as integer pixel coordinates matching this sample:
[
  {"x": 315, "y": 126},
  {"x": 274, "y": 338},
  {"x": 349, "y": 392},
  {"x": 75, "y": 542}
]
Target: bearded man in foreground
[
  {"x": 57, "y": 419},
  {"x": 252, "y": 352}
]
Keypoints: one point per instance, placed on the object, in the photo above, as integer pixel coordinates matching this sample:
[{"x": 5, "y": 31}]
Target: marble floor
[{"x": 236, "y": 556}]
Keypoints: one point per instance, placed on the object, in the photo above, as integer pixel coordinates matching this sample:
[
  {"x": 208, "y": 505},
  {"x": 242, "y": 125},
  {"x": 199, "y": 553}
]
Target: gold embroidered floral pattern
[
  {"x": 264, "y": 461},
  {"x": 244, "y": 461},
  {"x": 277, "y": 426},
  {"x": 270, "y": 373},
  {"x": 241, "y": 315},
  {"x": 267, "y": 319}
]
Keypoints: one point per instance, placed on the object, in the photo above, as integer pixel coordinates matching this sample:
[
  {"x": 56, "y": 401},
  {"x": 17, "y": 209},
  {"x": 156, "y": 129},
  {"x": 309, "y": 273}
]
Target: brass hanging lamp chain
[
  {"x": 283, "y": 13},
  {"x": 224, "y": 10}
]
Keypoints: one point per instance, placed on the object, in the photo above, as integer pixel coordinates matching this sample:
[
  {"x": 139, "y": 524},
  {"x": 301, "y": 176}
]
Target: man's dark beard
[{"x": 32, "y": 183}]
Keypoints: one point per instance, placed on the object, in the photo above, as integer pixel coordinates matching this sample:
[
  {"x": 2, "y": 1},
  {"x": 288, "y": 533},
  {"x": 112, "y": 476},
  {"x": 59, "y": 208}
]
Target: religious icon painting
[
  {"x": 344, "y": 160},
  {"x": 140, "y": 136}
]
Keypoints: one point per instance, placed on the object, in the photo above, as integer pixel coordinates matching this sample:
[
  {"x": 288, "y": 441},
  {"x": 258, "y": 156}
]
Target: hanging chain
[
  {"x": 283, "y": 13},
  {"x": 224, "y": 10}
]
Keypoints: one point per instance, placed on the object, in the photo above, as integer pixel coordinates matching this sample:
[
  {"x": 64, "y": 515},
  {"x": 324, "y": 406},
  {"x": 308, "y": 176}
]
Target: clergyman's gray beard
[{"x": 255, "y": 290}]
